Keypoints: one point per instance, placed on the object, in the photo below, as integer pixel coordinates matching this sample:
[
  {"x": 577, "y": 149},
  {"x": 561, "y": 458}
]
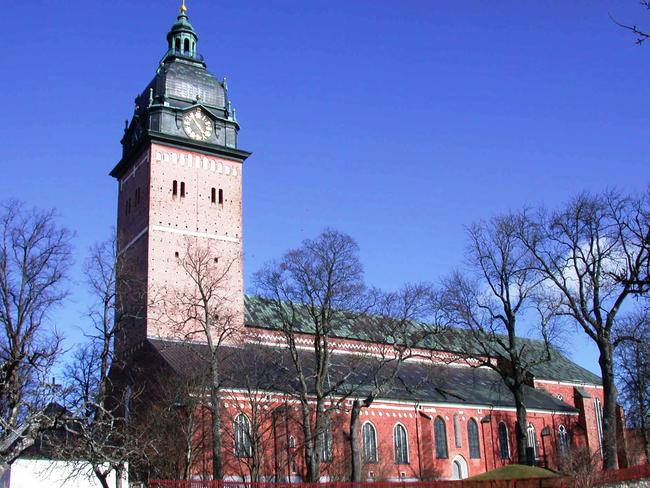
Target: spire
[{"x": 181, "y": 38}]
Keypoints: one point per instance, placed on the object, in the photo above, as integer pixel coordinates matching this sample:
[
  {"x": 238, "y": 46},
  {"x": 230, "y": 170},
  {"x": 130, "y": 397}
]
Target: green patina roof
[
  {"x": 261, "y": 313},
  {"x": 270, "y": 368}
]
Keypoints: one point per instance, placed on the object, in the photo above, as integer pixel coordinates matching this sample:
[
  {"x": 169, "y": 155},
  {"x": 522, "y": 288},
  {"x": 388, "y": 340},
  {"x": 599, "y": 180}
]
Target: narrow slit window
[
  {"x": 220, "y": 196},
  {"x": 175, "y": 188},
  {"x": 182, "y": 189},
  {"x": 213, "y": 196}
]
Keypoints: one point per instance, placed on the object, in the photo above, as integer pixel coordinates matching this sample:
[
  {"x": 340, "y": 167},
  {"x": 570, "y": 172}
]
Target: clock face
[{"x": 197, "y": 125}]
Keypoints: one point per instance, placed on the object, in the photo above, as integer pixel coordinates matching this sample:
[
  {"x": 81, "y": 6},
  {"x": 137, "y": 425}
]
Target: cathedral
[{"x": 180, "y": 189}]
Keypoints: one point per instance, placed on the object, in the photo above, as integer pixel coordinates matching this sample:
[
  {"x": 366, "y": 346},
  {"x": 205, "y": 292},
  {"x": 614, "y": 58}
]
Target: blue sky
[{"x": 397, "y": 122}]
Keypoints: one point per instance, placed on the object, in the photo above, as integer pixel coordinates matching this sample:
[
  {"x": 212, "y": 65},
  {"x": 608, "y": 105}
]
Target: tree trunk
[
  {"x": 313, "y": 467},
  {"x": 610, "y": 455},
  {"x": 641, "y": 391},
  {"x": 119, "y": 472},
  {"x": 609, "y": 447},
  {"x": 217, "y": 465},
  {"x": 646, "y": 442},
  {"x": 521, "y": 434},
  {"x": 101, "y": 477},
  {"x": 355, "y": 450}
]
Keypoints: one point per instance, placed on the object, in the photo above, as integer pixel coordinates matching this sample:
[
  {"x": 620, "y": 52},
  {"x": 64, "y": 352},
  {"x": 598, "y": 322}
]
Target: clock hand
[{"x": 196, "y": 124}]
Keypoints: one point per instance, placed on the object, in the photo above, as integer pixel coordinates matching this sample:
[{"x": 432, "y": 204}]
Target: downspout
[
  {"x": 276, "y": 466},
  {"x": 417, "y": 437},
  {"x": 494, "y": 459},
  {"x": 286, "y": 433}
]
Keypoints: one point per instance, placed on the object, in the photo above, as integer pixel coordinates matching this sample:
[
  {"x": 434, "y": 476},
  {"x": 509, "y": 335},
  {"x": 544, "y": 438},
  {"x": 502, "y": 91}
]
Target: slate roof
[
  {"x": 270, "y": 369},
  {"x": 260, "y": 313}
]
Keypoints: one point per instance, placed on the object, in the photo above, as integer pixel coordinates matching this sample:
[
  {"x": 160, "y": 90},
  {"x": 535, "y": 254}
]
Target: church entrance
[{"x": 458, "y": 468}]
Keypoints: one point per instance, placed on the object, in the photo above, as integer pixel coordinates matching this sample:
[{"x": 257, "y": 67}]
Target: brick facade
[{"x": 175, "y": 192}]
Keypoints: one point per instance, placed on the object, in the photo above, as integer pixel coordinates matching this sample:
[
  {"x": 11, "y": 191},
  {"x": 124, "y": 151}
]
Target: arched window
[
  {"x": 400, "y": 443},
  {"x": 213, "y": 195},
  {"x": 174, "y": 188},
  {"x": 504, "y": 446},
  {"x": 369, "y": 443},
  {"x": 440, "y": 434},
  {"x": 326, "y": 444},
  {"x": 472, "y": 439},
  {"x": 598, "y": 408},
  {"x": 242, "y": 429},
  {"x": 186, "y": 45},
  {"x": 532, "y": 439},
  {"x": 220, "y": 197},
  {"x": 457, "y": 434},
  {"x": 292, "y": 442},
  {"x": 177, "y": 45},
  {"x": 562, "y": 440},
  {"x": 182, "y": 189}
]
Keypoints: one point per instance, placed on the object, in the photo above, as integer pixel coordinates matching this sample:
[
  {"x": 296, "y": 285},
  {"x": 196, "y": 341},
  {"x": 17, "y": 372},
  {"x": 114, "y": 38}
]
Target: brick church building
[{"x": 180, "y": 183}]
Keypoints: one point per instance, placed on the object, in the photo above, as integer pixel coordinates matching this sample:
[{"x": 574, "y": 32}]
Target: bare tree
[
  {"x": 253, "y": 370},
  {"x": 594, "y": 255},
  {"x": 401, "y": 325},
  {"x": 177, "y": 420},
  {"x": 201, "y": 308},
  {"x": 491, "y": 302},
  {"x": 102, "y": 434},
  {"x": 641, "y": 34},
  {"x": 312, "y": 289},
  {"x": 35, "y": 255},
  {"x": 633, "y": 374}
]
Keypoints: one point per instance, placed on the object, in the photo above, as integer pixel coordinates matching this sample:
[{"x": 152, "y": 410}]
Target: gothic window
[
  {"x": 472, "y": 439},
  {"x": 562, "y": 440},
  {"x": 292, "y": 442},
  {"x": 182, "y": 189},
  {"x": 326, "y": 445},
  {"x": 599, "y": 420},
  {"x": 242, "y": 429},
  {"x": 400, "y": 442},
  {"x": 457, "y": 433},
  {"x": 504, "y": 447},
  {"x": 440, "y": 434},
  {"x": 174, "y": 188},
  {"x": 213, "y": 195},
  {"x": 220, "y": 197},
  {"x": 532, "y": 439},
  {"x": 369, "y": 436}
]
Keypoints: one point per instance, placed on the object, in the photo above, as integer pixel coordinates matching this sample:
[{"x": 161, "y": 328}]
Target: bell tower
[{"x": 179, "y": 185}]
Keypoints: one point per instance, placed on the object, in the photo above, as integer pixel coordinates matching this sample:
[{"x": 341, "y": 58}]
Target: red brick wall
[
  {"x": 586, "y": 433},
  {"x": 423, "y": 463},
  {"x": 162, "y": 224}
]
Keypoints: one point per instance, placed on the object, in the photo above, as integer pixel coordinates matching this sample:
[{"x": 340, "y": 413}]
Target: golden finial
[{"x": 183, "y": 8}]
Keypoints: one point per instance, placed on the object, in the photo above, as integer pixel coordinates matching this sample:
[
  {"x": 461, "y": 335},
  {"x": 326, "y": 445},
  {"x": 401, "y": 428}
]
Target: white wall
[{"x": 43, "y": 473}]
